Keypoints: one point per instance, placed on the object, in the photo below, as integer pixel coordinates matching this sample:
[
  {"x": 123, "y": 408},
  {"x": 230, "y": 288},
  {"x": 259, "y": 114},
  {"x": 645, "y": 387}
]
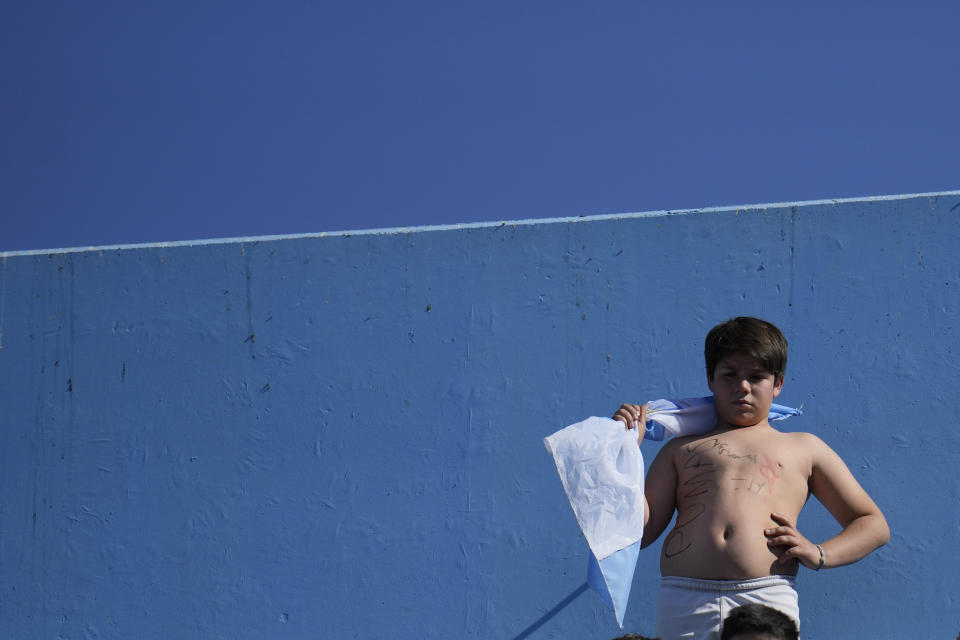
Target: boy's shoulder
[{"x": 802, "y": 439}]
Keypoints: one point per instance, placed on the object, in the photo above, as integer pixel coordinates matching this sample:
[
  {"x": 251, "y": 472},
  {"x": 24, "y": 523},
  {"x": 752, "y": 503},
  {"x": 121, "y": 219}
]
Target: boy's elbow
[
  {"x": 881, "y": 530},
  {"x": 884, "y": 531}
]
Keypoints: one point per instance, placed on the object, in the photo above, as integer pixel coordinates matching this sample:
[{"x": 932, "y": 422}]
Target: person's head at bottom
[{"x": 758, "y": 622}]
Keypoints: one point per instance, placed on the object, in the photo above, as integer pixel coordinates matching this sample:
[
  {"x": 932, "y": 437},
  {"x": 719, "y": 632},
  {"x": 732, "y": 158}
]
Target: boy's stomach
[{"x": 725, "y": 542}]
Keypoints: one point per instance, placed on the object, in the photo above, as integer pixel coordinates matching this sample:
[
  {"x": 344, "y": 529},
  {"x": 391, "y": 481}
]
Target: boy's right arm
[
  {"x": 660, "y": 494},
  {"x": 660, "y": 488}
]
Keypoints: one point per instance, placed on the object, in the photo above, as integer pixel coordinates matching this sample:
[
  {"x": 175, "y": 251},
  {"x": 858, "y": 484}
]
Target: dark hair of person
[
  {"x": 756, "y": 338},
  {"x": 758, "y": 618},
  {"x": 633, "y": 636}
]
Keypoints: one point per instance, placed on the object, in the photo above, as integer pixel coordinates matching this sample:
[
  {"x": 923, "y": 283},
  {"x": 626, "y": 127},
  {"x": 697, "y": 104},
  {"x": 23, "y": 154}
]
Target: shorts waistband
[{"x": 726, "y": 586}]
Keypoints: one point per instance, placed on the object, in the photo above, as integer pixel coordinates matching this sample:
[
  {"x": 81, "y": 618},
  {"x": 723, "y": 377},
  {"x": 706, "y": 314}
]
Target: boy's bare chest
[{"x": 757, "y": 466}]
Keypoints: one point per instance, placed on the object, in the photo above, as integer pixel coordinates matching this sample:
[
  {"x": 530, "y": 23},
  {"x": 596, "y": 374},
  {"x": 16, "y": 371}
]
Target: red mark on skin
[{"x": 770, "y": 471}]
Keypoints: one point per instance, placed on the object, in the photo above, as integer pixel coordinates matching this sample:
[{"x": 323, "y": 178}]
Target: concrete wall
[{"x": 339, "y": 436}]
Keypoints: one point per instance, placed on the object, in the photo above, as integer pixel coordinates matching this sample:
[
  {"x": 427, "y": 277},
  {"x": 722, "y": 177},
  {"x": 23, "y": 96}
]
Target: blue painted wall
[{"x": 340, "y": 436}]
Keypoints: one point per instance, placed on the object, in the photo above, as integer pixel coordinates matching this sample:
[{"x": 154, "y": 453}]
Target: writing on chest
[{"x": 707, "y": 463}]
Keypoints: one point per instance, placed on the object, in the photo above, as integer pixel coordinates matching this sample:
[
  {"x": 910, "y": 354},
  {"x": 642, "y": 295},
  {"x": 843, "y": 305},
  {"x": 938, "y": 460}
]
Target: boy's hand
[
  {"x": 787, "y": 543},
  {"x": 633, "y": 416}
]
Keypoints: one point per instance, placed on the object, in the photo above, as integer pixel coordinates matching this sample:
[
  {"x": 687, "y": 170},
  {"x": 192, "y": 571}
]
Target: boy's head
[
  {"x": 756, "y": 338},
  {"x": 758, "y": 622}
]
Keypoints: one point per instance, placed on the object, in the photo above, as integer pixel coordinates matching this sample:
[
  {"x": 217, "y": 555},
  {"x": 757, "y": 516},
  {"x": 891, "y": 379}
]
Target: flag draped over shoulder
[{"x": 602, "y": 471}]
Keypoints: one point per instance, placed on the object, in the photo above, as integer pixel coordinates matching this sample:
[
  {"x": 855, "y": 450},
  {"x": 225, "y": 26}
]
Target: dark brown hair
[
  {"x": 758, "y": 618},
  {"x": 751, "y": 336}
]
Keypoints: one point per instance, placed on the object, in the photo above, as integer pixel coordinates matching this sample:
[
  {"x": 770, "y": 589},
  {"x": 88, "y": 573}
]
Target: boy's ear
[
  {"x": 778, "y": 387},
  {"x": 710, "y": 381}
]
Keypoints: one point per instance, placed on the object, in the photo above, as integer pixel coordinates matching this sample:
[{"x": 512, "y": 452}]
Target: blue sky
[{"x": 159, "y": 121}]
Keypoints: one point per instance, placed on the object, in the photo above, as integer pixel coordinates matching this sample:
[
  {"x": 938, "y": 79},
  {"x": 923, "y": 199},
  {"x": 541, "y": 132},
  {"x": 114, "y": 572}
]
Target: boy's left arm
[{"x": 864, "y": 527}]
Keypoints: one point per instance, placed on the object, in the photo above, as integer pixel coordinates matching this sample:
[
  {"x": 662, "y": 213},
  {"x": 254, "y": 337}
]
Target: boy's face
[{"x": 743, "y": 390}]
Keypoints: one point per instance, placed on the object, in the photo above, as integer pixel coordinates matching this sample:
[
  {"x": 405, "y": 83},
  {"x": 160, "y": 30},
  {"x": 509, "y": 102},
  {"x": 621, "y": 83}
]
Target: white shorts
[{"x": 694, "y": 609}]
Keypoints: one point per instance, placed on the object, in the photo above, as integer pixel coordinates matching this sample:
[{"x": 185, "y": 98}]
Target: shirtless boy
[{"x": 738, "y": 490}]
